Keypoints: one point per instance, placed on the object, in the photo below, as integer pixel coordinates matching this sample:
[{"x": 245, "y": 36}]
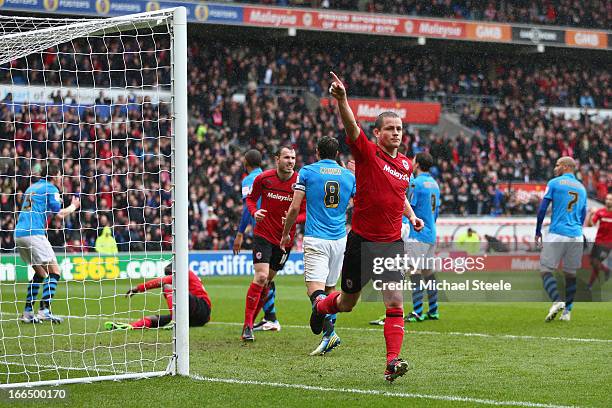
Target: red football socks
[
  {"x": 168, "y": 295},
  {"x": 141, "y": 324},
  {"x": 329, "y": 305},
  {"x": 262, "y": 301},
  {"x": 252, "y": 300},
  {"x": 394, "y": 332}
]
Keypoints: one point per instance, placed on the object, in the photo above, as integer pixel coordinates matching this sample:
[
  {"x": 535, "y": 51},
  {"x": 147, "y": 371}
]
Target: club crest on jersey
[
  {"x": 258, "y": 255},
  {"x": 406, "y": 164},
  {"x": 349, "y": 283}
]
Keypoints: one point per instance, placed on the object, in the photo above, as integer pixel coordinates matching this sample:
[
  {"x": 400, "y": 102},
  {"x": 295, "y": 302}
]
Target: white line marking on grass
[
  {"x": 379, "y": 392},
  {"x": 436, "y": 333},
  {"x": 55, "y": 368},
  {"x": 362, "y": 329}
]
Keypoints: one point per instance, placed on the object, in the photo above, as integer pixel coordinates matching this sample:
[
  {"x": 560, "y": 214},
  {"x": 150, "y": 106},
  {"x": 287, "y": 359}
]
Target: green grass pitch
[{"x": 478, "y": 354}]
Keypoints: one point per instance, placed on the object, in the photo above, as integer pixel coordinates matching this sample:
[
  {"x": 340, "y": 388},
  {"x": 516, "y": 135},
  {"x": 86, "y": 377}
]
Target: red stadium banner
[
  {"x": 519, "y": 262},
  {"x": 395, "y": 25},
  {"x": 421, "y": 113},
  {"x": 587, "y": 39},
  {"x": 524, "y": 191},
  {"x": 351, "y": 22},
  {"x": 441, "y": 29}
]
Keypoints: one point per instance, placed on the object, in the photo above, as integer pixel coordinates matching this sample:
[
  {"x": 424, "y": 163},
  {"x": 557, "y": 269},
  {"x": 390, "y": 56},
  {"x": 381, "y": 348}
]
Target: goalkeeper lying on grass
[{"x": 199, "y": 303}]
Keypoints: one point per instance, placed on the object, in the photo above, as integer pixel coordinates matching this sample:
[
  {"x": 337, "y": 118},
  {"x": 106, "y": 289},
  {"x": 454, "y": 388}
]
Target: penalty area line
[{"x": 449, "y": 398}]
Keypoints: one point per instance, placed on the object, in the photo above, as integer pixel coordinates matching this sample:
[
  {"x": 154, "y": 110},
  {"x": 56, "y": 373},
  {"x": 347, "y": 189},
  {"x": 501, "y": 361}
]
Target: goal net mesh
[{"x": 92, "y": 97}]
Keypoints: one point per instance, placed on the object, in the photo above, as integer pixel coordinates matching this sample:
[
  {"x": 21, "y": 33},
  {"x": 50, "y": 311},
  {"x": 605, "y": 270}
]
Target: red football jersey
[
  {"x": 604, "y": 232},
  {"x": 276, "y": 196},
  {"x": 382, "y": 181},
  {"x": 195, "y": 286}
]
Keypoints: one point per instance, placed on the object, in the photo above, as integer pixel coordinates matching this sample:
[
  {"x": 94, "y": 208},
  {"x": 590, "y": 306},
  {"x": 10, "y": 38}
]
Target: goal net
[{"x": 95, "y": 108}]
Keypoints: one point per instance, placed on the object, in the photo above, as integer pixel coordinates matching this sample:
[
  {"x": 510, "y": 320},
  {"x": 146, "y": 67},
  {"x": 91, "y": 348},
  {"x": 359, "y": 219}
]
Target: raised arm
[{"x": 338, "y": 91}]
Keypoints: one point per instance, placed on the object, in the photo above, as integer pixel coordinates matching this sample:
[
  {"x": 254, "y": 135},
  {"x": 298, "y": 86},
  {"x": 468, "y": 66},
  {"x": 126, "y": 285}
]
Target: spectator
[
  {"x": 586, "y": 100},
  {"x": 105, "y": 243},
  {"x": 469, "y": 242}
]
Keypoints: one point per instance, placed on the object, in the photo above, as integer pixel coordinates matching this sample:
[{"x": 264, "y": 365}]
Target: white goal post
[{"x": 101, "y": 104}]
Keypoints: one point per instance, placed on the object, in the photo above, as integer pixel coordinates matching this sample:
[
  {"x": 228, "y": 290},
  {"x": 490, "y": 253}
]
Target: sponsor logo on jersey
[
  {"x": 279, "y": 197},
  {"x": 395, "y": 173}
]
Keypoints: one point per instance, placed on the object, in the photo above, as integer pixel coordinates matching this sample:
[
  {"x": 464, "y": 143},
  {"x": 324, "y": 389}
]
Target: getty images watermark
[
  {"x": 409, "y": 265},
  {"x": 475, "y": 272}
]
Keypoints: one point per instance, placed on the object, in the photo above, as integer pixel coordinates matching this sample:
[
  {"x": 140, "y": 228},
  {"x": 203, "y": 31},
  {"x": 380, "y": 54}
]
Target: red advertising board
[
  {"x": 425, "y": 113},
  {"x": 396, "y": 25},
  {"x": 518, "y": 262},
  {"x": 352, "y": 22},
  {"x": 440, "y": 29}
]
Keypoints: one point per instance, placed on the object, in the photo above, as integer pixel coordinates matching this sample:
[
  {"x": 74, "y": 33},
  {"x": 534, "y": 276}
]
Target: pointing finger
[{"x": 336, "y": 79}]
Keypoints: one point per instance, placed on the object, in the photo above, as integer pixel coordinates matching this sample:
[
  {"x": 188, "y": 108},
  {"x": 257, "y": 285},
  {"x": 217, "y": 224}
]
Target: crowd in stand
[
  {"x": 243, "y": 97},
  {"x": 573, "y": 13},
  {"x": 400, "y": 75}
]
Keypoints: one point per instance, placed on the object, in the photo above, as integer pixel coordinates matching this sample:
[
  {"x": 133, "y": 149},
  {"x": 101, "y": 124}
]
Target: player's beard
[{"x": 285, "y": 173}]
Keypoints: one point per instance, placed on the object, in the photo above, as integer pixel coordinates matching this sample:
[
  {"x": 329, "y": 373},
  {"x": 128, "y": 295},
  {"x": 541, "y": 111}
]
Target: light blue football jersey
[
  {"x": 425, "y": 201},
  {"x": 40, "y": 200},
  {"x": 328, "y": 188},
  {"x": 569, "y": 200},
  {"x": 247, "y": 182},
  {"x": 247, "y": 186}
]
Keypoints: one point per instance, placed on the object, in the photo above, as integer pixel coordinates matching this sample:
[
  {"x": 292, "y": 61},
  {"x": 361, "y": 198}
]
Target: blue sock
[
  {"x": 417, "y": 294},
  {"x": 550, "y": 285},
  {"x": 49, "y": 285},
  {"x": 570, "y": 291},
  {"x": 269, "y": 308},
  {"x": 432, "y": 295},
  {"x": 32, "y": 294},
  {"x": 329, "y": 324}
]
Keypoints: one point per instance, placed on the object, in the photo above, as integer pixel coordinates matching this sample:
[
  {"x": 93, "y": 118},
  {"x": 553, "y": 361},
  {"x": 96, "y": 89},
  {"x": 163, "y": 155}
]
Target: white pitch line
[
  {"x": 436, "y": 333},
  {"x": 53, "y": 367},
  {"x": 450, "y": 398},
  {"x": 421, "y": 332}
]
